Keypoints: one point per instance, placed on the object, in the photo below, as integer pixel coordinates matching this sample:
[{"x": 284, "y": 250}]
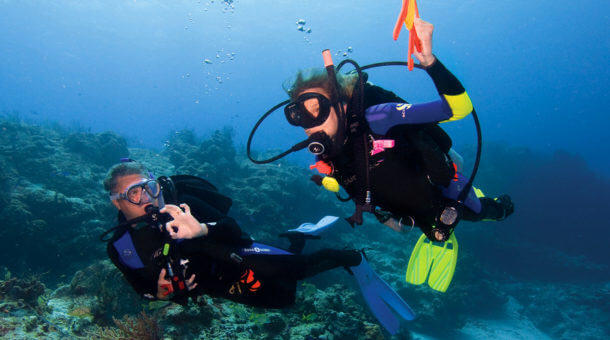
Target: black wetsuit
[
  {"x": 405, "y": 180},
  {"x": 258, "y": 280}
]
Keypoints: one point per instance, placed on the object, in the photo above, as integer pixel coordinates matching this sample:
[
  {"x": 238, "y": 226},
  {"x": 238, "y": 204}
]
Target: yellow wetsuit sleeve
[
  {"x": 460, "y": 105},
  {"x": 450, "y": 89}
]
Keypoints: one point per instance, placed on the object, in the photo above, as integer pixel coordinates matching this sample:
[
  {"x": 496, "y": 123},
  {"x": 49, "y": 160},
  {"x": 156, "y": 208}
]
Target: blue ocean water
[{"x": 535, "y": 70}]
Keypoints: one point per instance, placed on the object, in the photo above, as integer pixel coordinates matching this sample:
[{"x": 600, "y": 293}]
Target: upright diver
[
  {"x": 391, "y": 157},
  {"x": 191, "y": 247}
]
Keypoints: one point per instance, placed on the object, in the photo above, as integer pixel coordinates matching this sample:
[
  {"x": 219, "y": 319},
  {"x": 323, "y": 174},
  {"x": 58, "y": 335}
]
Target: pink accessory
[{"x": 382, "y": 144}]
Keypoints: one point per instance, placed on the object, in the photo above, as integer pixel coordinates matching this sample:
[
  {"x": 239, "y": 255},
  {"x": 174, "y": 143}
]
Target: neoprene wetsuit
[
  {"x": 265, "y": 276},
  {"x": 415, "y": 178}
]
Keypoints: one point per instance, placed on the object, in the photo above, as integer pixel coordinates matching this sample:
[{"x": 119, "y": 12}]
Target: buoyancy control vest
[
  {"x": 405, "y": 179},
  {"x": 206, "y": 203}
]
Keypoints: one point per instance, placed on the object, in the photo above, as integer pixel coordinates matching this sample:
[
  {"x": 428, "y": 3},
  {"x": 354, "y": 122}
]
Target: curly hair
[{"x": 318, "y": 77}]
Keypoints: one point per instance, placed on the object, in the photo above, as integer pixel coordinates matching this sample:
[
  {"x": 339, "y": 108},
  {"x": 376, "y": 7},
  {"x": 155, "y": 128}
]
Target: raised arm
[{"x": 454, "y": 103}]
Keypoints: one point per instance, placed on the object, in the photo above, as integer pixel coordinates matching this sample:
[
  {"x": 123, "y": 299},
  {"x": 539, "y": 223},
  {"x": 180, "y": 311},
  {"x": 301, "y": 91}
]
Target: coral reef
[
  {"x": 26, "y": 290},
  {"x": 103, "y": 149},
  {"x": 54, "y": 208},
  {"x": 142, "y": 327},
  {"x": 53, "y": 205}
]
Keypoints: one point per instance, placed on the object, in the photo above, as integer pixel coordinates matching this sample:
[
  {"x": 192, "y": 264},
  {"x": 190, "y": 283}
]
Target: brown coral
[
  {"x": 142, "y": 327},
  {"x": 27, "y": 290}
]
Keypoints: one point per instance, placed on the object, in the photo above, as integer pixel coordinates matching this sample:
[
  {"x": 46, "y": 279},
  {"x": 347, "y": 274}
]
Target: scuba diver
[
  {"x": 191, "y": 247},
  {"x": 391, "y": 157}
]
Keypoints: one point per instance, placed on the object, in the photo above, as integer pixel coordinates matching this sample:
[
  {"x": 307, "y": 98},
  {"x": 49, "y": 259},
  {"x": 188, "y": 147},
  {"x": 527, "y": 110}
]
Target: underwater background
[{"x": 178, "y": 85}]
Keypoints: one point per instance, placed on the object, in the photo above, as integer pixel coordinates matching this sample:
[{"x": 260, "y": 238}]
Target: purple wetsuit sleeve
[
  {"x": 384, "y": 116},
  {"x": 454, "y": 189}
]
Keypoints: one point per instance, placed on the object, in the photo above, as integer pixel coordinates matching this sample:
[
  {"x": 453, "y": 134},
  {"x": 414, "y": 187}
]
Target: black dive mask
[{"x": 309, "y": 110}]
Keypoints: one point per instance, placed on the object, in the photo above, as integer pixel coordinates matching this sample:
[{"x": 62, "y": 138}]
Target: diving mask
[
  {"x": 141, "y": 192},
  {"x": 309, "y": 110}
]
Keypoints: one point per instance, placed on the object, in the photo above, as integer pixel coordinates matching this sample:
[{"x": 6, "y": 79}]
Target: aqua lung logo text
[{"x": 256, "y": 250}]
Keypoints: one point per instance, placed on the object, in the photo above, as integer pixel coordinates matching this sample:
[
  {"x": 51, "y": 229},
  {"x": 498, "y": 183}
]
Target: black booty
[{"x": 507, "y": 206}]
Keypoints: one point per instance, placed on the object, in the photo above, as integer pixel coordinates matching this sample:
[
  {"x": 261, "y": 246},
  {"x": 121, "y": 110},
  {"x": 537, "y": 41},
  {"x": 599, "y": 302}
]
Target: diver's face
[
  {"x": 130, "y": 210},
  {"x": 331, "y": 124}
]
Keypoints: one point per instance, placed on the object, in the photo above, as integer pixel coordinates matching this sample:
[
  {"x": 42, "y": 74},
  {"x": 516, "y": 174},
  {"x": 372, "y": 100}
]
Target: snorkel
[{"x": 336, "y": 100}]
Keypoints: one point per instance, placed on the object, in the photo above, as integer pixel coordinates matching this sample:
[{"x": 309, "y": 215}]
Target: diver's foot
[
  {"x": 507, "y": 206},
  {"x": 354, "y": 258}
]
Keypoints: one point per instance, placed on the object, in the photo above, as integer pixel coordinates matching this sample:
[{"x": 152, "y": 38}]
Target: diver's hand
[
  {"x": 184, "y": 225},
  {"x": 165, "y": 288},
  {"x": 439, "y": 236},
  {"x": 190, "y": 283},
  {"x": 424, "y": 32}
]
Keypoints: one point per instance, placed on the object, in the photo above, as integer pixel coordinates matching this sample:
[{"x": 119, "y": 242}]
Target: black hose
[{"x": 258, "y": 123}]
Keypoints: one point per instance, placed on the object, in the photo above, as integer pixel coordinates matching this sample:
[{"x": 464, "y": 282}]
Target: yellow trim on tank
[{"x": 460, "y": 105}]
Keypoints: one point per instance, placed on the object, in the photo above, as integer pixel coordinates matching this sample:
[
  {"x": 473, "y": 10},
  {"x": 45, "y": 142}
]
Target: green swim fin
[{"x": 437, "y": 260}]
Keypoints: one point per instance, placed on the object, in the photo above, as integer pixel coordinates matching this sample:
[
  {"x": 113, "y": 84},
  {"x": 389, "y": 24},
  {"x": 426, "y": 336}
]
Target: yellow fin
[
  {"x": 419, "y": 262},
  {"x": 433, "y": 262},
  {"x": 443, "y": 267}
]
